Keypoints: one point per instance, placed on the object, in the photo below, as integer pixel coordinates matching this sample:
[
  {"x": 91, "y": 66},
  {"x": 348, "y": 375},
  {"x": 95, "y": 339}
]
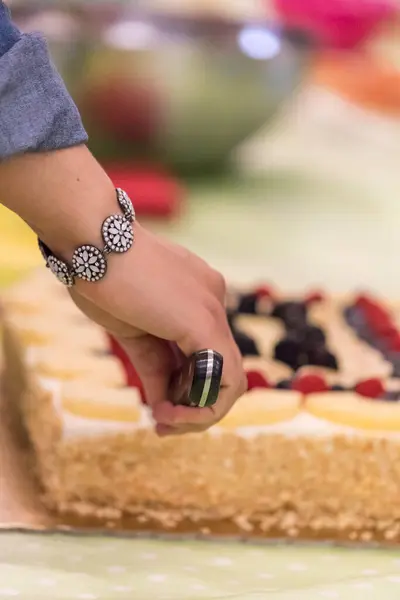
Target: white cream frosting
[
  {"x": 302, "y": 425},
  {"x": 80, "y": 427}
]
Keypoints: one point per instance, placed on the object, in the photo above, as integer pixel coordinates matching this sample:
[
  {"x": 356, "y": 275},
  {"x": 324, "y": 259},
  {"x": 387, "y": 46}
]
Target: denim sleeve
[{"x": 37, "y": 114}]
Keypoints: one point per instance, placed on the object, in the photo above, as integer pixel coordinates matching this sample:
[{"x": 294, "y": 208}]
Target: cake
[{"x": 311, "y": 451}]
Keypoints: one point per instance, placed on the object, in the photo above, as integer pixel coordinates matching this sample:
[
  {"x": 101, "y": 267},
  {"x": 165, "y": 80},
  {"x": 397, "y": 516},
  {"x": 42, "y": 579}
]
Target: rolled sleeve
[
  {"x": 9, "y": 33},
  {"x": 36, "y": 111}
]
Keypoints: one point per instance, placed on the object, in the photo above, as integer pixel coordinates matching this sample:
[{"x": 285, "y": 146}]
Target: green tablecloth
[{"x": 34, "y": 567}]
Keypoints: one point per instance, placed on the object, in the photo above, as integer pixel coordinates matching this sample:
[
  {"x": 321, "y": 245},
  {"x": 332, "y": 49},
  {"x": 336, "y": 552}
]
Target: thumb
[{"x": 154, "y": 362}]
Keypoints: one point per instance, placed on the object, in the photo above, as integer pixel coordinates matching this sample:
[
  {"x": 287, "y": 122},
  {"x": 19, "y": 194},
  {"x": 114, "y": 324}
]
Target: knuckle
[
  {"x": 218, "y": 283},
  {"x": 215, "y": 310}
]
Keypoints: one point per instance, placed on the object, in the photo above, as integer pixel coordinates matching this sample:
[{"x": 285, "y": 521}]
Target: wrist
[
  {"x": 64, "y": 196},
  {"x": 89, "y": 261}
]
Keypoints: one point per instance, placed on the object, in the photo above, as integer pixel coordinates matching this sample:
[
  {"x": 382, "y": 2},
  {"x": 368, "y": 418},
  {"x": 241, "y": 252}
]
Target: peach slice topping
[{"x": 350, "y": 409}]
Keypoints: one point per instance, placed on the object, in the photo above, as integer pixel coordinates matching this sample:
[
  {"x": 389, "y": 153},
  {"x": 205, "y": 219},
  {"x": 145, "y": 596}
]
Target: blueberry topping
[
  {"x": 321, "y": 357},
  {"x": 248, "y": 304},
  {"x": 391, "y": 396},
  {"x": 338, "y": 388},
  {"x": 290, "y": 352},
  {"x": 293, "y": 314},
  {"x": 246, "y": 344},
  {"x": 285, "y": 384},
  {"x": 354, "y": 317},
  {"x": 310, "y": 337}
]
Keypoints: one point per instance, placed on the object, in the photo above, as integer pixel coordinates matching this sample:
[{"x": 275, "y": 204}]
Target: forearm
[
  {"x": 64, "y": 196},
  {"x": 47, "y": 175}
]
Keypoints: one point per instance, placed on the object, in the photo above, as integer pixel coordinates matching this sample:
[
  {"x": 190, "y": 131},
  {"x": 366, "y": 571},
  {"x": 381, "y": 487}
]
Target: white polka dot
[
  {"x": 122, "y": 588},
  {"x": 369, "y": 572},
  {"x": 297, "y": 567},
  {"x": 329, "y": 594},
  {"x": 394, "y": 579},
  {"x": 116, "y": 569},
  {"x": 47, "y": 582},
  {"x": 265, "y": 576},
  {"x": 8, "y": 593},
  {"x": 222, "y": 561},
  {"x": 198, "y": 587},
  {"x": 75, "y": 558},
  {"x": 362, "y": 585},
  {"x": 157, "y": 578},
  {"x": 148, "y": 556},
  {"x": 33, "y": 546},
  {"x": 189, "y": 569}
]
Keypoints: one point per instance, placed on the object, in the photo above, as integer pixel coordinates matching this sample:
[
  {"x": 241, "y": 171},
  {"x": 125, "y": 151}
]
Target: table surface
[
  {"x": 83, "y": 568},
  {"x": 321, "y": 207}
]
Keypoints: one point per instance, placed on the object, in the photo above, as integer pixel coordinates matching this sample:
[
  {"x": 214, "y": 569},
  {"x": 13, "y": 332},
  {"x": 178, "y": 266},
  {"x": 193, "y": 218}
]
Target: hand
[
  {"x": 163, "y": 293},
  {"x": 159, "y": 300}
]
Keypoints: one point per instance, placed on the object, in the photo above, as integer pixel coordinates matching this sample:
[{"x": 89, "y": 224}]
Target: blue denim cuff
[
  {"x": 36, "y": 111},
  {"x": 9, "y": 33}
]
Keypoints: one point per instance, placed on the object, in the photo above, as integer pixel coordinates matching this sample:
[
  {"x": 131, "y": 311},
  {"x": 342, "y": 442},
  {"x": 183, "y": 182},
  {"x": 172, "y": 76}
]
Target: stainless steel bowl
[{"x": 181, "y": 90}]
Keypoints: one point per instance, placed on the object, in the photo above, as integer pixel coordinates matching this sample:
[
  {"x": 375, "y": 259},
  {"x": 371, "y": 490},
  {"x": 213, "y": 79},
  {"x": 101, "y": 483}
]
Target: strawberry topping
[
  {"x": 255, "y": 380},
  {"x": 370, "y": 388},
  {"x": 310, "y": 384}
]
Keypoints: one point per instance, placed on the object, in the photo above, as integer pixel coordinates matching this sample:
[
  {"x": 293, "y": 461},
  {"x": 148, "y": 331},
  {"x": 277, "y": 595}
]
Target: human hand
[
  {"x": 161, "y": 301},
  {"x": 173, "y": 307}
]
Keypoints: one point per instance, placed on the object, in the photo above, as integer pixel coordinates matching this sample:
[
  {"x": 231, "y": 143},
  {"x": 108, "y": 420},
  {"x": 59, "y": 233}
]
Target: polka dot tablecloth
[{"x": 52, "y": 567}]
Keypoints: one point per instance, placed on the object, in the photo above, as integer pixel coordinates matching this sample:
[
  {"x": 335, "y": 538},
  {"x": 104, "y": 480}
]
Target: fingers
[
  {"x": 210, "y": 331},
  {"x": 154, "y": 361}
]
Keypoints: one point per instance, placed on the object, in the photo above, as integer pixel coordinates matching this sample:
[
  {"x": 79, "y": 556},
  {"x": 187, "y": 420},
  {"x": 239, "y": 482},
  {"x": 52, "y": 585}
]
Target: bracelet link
[{"x": 89, "y": 263}]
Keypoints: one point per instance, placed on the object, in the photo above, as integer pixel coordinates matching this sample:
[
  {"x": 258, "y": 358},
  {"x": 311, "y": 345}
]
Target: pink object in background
[{"x": 342, "y": 24}]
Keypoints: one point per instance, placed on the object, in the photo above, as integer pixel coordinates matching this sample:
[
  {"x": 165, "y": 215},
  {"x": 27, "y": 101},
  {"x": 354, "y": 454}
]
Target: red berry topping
[
  {"x": 394, "y": 342},
  {"x": 314, "y": 297},
  {"x": 370, "y": 388},
  {"x": 263, "y": 291},
  {"x": 132, "y": 378},
  {"x": 310, "y": 384},
  {"x": 255, "y": 380}
]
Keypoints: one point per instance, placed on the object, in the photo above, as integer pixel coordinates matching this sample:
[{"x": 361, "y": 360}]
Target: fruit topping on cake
[
  {"x": 309, "y": 384},
  {"x": 132, "y": 377},
  {"x": 314, "y": 297},
  {"x": 74, "y": 366},
  {"x": 352, "y": 410},
  {"x": 272, "y": 370},
  {"x": 255, "y": 380},
  {"x": 370, "y": 388},
  {"x": 245, "y": 343},
  {"x": 42, "y": 330},
  {"x": 263, "y": 407},
  {"x": 96, "y": 402},
  {"x": 375, "y": 324},
  {"x": 292, "y": 314}
]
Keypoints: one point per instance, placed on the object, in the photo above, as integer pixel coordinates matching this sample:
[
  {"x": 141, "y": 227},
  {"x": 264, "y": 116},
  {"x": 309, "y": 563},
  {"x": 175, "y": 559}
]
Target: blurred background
[{"x": 262, "y": 134}]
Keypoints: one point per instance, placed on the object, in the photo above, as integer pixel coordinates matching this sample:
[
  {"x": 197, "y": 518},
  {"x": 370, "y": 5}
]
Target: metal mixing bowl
[{"x": 182, "y": 90}]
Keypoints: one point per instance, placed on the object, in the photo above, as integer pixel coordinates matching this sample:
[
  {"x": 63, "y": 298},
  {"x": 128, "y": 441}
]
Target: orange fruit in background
[{"x": 362, "y": 79}]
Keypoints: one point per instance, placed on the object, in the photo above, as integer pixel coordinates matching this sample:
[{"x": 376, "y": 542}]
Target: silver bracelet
[{"x": 89, "y": 262}]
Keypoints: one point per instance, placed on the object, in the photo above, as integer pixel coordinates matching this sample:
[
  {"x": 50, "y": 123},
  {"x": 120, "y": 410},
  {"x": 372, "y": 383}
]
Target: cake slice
[{"x": 287, "y": 461}]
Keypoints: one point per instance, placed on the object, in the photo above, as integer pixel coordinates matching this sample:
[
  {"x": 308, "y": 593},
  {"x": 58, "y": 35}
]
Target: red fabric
[
  {"x": 153, "y": 193},
  {"x": 342, "y": 24}
]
